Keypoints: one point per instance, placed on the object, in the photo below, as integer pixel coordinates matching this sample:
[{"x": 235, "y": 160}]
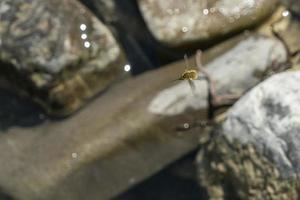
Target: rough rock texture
[
  {"x": 231, "y": 170},
  {"x": 255, "y": 153},
  {"x": 293, "y": 5},
  {"x": 56, "y": 51},
  {"x": 249, "y": 58},
  {"x": 177, "y": 22},
  {"x": 269, "y": 118}
]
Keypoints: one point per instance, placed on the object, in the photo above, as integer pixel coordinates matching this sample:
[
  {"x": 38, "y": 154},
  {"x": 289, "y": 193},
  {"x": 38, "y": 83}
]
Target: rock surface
[
  {"x": 231, "y": 170},
  {"x": 176, "y": 22},
  {"x": 248, "y": 59},
  {"x": 269, "y": 118},
  {"x": 255, "y": 153},
  {"x": 62, "y": 54}
]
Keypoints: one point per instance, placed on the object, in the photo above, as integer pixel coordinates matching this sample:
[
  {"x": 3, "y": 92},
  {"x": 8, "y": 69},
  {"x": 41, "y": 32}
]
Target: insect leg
[
  {"x": 186, "y": 61},
  {"x": 192, "y": 85}
]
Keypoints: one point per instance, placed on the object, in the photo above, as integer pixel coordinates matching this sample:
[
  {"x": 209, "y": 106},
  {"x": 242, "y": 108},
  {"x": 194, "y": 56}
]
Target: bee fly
[
  {"x": 189, "y": 74},
  {"x": 214, "y": 100}
]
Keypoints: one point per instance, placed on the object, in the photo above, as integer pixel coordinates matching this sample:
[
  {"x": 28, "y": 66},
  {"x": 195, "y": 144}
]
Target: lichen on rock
[{"x": 232, "y": 170}]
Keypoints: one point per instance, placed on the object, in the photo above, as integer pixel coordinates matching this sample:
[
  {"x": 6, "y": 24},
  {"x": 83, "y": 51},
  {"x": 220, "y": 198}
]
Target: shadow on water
[
  {"x": 16, "y": 111},
  {"x": 4, "y": 196},
  {"x": 177, "y": 182}
]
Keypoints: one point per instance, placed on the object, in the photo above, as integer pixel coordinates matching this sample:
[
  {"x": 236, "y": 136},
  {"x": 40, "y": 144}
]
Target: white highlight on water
[
  {"x": 74, "y": 155},
  {"x": 87, "y": 44},
  {"x": 83, "y": 36},
  {"x": 185, "y": 29},
  {"x": 127, "y": 68},
  {"x": 205, "y": 11},
  {"x": 83, "y": 27},
  {"x": 285, "y": 13}
]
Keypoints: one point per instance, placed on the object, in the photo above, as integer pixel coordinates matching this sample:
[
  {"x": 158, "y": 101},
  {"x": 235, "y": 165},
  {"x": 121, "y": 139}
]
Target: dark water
[
  {"x": 5, "y": 197},
  {"x": 142, "y": 50},
  {"x": 16, "y": 111},
  {"x": 176, "y": 182}
]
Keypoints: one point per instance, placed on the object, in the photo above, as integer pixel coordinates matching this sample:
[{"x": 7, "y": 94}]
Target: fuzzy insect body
[{"x": 189, "y": 74}]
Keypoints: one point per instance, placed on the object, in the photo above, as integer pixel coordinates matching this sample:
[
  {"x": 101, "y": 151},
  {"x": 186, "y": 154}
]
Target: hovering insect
[
  {"x": 189, "y": 74},
  {"x": 214, "y": 100}
]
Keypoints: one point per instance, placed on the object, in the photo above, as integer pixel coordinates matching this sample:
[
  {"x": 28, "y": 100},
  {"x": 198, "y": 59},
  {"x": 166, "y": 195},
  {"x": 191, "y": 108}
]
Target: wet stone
[
  {"x": 59, "y": 53},
  {"x": 177, "y": 23},
  {"x": 268, "y": 117},
  {"x": 252, "y": 54},
  {"x": 240, "y": 181}
]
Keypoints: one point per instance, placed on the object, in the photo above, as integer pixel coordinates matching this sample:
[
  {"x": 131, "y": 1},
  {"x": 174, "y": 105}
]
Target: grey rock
[
  {"x": 269, "y": 118},
  {"x": 242, "y": 63},
  {"x": 228, "y": 169},
  {"x": 177, "y": 23},
  {"x": 62, "y": 53}
]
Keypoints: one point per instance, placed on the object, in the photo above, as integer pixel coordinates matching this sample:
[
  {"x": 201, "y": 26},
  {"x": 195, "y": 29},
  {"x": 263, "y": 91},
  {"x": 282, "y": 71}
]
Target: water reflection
[
  {"x": 83, "y": 27},
  {"x": 132, "y": 180},
  {"x": 205, "y": 11},
  {"x": 127, "y": 68},
  {"x": 83, "y": 36},
  {"x": 212, "y": 10},
  {"x": 185, "y": 29},
  {"x": 186, "y": 125},
  {"x": 74, "y": 155},
  {"x": 285, "y": 13},
  {"x": 87, "y": 44},
  {"x": 174, "y": 11}
]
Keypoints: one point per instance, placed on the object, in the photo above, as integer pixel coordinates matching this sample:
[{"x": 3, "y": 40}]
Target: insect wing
[
  {"x": 192, "y": 85},
  {"x": 199, "y": 60}
]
